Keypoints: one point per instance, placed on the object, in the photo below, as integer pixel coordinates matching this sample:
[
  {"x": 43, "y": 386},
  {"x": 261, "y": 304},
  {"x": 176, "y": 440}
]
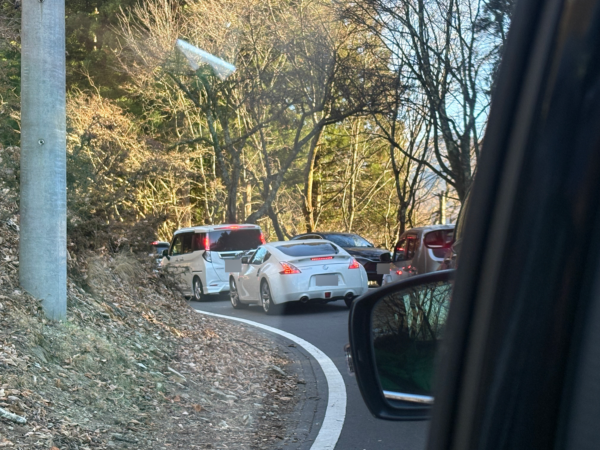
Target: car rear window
[
  {"x": 159, "y": 248},
  {"x": 234, "y": 240},
  {"x": 439, "y": 242},
  {"x": 308, "y": 249}
]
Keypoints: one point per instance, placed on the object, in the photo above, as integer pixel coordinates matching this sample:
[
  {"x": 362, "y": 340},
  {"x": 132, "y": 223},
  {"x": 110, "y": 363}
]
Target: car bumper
[
  {"x": 217, "y": 287},
  {"x": 289, "y": 290}
]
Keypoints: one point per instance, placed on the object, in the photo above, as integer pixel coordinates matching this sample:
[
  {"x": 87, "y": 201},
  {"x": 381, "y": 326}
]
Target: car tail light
[
  {"x": 321, "y": 258},
  {"x": 398, "y": 272},
  {"x": 206, "y": 254},
  {"x": 288, "y": 268},
  {"x": 262, "y": 238},
  {"x": 154, "y": 243},
  {"x": 354, "y": 264}
]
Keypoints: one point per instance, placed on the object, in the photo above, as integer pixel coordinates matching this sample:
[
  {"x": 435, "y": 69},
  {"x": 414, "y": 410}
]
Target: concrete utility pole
[{"x": 43, "y": 241}]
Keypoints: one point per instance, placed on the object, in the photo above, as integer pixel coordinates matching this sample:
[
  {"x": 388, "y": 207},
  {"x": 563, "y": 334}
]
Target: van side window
[
  {"x": 259, "y": 256},
  {"x": 187, "y": 242},
  {"x": 176, "y": 246},
  {"x": 198, "y": 241}
]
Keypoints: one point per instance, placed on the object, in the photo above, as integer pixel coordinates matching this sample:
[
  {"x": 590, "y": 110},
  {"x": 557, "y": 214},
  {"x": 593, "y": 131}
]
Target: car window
[
  {"x": 259, "y": 256},
  {"x": 177, "y": 245},
  {"x": 348, "y": 240},
  {"x": 234, "y": 240},
  {"x": 400, "y": 250},
  {"x": 186, "y": 245},
  {"x": 160, "y": 248},
  {"x": 360, "y": 241},
  {"x": 308, "y": 249},
  {"x": 439, "y": 242},
  {"x": 411, "y": 247}
]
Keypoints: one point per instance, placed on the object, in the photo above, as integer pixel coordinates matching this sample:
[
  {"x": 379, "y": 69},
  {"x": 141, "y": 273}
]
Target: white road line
[{"x": 336, "y": 401}]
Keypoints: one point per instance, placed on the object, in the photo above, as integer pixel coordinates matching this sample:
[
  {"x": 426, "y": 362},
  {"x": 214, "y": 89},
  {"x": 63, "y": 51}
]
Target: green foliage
[{"x": 10, "y": 79}]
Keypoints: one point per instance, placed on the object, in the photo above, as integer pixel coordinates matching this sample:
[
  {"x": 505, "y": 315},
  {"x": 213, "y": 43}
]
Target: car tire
[
  {"x": 234, "y": 296},
  {"x": 348, "y": 302},
  {"x": 197, "y": 293},
  {"x": 266, "y": 300}
]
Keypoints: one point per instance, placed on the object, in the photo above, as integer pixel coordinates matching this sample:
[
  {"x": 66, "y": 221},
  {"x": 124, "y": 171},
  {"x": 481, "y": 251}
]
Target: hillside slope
[{"x": 133, "y": 366}]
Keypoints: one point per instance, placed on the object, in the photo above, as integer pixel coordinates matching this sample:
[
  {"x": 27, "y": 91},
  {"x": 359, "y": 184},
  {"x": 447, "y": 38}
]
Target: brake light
[
  {"x": 288, "y": 268},
  {"x": 398, "y": 272},
  {"x": 154, "y": 243},
  {"x": 262, "y": 238},
  {"x": 206, "y": 254},
  {"x": 321, "y": 258},
  {"x": 354, "y": 264}
]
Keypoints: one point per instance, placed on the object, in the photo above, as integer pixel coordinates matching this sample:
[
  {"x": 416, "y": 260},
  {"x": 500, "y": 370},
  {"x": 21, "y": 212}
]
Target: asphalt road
[{"x": 326, "y": 327}]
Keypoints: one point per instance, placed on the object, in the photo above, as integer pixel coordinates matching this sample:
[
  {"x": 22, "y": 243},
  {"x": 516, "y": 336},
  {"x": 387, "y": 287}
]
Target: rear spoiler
[{"x": 324, "y": 258}]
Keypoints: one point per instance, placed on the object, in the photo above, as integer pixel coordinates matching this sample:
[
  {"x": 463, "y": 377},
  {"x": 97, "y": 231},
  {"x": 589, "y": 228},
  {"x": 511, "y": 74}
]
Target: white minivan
[{"x": 198, "y": 256}]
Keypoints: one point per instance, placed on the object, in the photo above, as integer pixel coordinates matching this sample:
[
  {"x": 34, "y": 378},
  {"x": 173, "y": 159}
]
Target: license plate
[
  {"x": 233, "y": 265},
  {"x": 383, "y": 268},
  {"x": 326, "y": 280}
]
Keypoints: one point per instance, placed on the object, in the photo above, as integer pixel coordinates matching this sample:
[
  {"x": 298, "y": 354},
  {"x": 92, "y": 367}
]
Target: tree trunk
[
  {"x": 248, "y": 200},
  {"x": 309, "y": 174},
  {"x": 353, "y": 178},
  {"x": 207, "y": 211},
  {"x": 443, "y": 200},
  {"x": 276, "y": 225},
  {"x": 43, "y": 243}
]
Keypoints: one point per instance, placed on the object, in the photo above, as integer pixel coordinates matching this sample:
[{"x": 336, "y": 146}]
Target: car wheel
[
  {"x": 197, "y": 294},
  {"x": 266, "y": 300},
  {"x": 234, "y": 296},
  {"x": 348, "y": 302}
]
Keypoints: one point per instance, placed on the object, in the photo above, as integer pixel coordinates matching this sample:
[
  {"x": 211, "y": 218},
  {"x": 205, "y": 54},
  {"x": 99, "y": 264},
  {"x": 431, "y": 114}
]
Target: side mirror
[
  {"x": 165, "y": 254},
  {"x": 394, "y": 335},
  {"x": 245, "y": 259}
]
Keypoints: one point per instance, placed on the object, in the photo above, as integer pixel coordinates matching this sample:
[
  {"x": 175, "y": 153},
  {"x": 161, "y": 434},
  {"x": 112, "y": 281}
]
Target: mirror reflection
[{"x": 405, "y": 329}]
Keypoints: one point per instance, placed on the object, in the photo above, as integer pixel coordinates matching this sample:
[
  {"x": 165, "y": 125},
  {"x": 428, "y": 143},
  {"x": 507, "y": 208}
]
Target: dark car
[
  {"x": 503, "y": 352},
  {"x": 364, "y": 251}
]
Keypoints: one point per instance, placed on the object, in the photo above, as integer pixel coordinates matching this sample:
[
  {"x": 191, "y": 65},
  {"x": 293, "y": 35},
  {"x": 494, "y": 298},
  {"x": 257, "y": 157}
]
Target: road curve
[
  {"x": 326, "y": 328},
  {"x": 335, "y": 413}
]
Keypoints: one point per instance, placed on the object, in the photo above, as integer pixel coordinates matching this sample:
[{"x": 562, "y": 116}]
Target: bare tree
[{"x": 441, "y": 54}]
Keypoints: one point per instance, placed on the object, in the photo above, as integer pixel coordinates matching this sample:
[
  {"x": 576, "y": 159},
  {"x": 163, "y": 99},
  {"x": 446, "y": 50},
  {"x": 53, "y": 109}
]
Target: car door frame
[{"x": 476, "y": 361}]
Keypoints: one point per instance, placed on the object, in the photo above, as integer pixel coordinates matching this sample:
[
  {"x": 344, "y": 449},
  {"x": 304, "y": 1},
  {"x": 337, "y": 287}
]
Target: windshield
[
  {"x": 348, "y": 240},
  {"x": 217, "y": 126},
  {"x": 234, "y": 240}
]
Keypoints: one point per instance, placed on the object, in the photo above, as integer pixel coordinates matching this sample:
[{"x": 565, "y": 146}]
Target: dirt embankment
[{"x": 133, "y": 366}]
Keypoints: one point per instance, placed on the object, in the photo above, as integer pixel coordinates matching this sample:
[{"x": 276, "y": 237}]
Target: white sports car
[{"x": 290, "y": 271}]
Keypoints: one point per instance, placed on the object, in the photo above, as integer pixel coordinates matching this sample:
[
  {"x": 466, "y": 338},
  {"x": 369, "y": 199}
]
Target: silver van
[
  {"x": 198, "y": 256},
  {"x": 419, "y": 250}
]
